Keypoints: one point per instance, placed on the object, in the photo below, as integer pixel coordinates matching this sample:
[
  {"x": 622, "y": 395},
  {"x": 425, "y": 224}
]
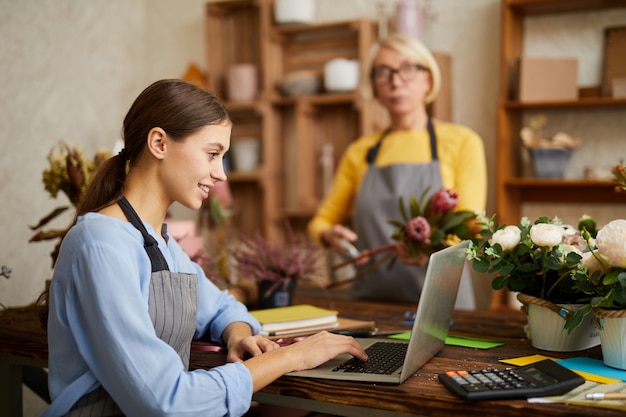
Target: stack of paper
[{"x": 295, "y": 319}]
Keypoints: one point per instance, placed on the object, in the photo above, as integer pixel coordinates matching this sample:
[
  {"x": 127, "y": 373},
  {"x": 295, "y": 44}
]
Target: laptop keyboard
[{"x": 384, "y": 359}]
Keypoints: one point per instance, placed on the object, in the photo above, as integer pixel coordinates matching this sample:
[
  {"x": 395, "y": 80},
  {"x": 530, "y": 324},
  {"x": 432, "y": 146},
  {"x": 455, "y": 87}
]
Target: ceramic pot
[
  {"x": 341, "y": 74},
  {"x": 612, "y": 324},
  {"x": 242, "y": 82},
  {"x": 550, "y": 163},
  {"x": 280, "y": 297},
  {"x": 547, "y": 332}
]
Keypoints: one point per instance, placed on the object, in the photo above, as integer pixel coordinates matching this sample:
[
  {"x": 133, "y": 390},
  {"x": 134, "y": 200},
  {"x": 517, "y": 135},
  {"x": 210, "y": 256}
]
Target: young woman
[
  {"x": 415, "y": 153},
  {"x": 125, "y": 301}
]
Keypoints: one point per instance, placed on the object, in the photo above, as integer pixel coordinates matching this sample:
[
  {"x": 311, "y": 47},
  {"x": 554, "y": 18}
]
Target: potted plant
[
  {"x": 602, "y": 274},
  {"x": 537, "y": 260},
  {"x": 277, "y": 268}
]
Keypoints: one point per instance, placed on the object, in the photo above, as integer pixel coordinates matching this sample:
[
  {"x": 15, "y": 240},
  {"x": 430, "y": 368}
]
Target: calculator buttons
[{"x": 543, "y": 378}]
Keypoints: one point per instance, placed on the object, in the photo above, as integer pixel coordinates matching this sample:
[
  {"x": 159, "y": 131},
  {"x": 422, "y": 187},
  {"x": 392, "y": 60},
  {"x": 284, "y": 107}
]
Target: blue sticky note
[{"x": 593, "y": 366}]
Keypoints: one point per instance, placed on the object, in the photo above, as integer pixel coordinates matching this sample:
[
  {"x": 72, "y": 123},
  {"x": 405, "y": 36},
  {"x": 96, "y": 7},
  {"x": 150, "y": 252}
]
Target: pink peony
[
  {"x": 443, "y": 201},
  {"x": 418, "y": 230}
]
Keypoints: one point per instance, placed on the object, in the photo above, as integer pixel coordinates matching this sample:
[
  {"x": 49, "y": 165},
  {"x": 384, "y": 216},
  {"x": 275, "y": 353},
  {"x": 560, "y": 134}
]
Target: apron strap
[
  {"x": 373, "y": 151},
  {"x": 433, "y": 139},
  {"x": 152, "y": 247}
]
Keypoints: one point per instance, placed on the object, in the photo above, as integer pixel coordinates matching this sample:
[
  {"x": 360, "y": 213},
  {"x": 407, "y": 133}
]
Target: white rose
[
  {"x": 508, "y": 237},
  {"x": 611, "y": 242},
  {"x": 546, "y": 235}
]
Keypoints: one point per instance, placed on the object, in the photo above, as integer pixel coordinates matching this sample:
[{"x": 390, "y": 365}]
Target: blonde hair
[{"x": 412, "y": 49}]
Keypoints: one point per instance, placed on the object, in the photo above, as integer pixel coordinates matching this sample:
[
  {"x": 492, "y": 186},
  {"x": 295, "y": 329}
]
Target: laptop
[{"x": 430, "y": 328}]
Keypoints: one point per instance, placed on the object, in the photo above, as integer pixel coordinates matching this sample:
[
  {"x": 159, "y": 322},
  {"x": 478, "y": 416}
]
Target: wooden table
[{"x": 23, "y": 346}]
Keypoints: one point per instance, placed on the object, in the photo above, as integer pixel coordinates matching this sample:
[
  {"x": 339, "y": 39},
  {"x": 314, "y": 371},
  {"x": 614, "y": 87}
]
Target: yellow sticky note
[{"x": 525, "y": 360}]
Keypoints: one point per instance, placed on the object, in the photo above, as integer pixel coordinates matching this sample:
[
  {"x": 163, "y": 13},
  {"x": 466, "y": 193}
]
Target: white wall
[{"x": 70, "y": 69}]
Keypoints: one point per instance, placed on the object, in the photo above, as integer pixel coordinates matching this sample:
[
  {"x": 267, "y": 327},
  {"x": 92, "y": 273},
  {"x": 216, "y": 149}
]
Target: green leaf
[
  {"x": 577, "y": 318},
  {"x": 457, "y": 218},
  {"x": 499, "y": 282},
  {"x": 480, "y": 265},
  {"x": 553, "y": 263},
  {"x": 619, "y": 296},
  {"x": 415, "y": 208},
  {"x": 402, "y": 210},
  {"x": 611, "y": 278}
]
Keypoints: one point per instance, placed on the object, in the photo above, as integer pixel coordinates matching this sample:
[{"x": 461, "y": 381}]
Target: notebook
[{"x": 430, "y": 328}]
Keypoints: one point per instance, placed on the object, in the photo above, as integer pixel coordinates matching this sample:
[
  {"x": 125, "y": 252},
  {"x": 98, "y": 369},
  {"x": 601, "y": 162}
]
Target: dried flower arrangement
[
  {"x": 533, "y": 138},
  {"x": 69, "y": 172},
  {"x": 299, "y": 258}
]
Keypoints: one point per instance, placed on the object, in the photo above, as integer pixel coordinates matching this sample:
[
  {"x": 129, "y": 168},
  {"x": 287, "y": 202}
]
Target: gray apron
[
  {"x": 172, "y": 304},
  {"x": 376, "y": 203}
]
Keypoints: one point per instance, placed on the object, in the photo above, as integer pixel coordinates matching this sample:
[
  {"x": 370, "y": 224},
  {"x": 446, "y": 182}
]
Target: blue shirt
[{"x": 100, "y": 331}]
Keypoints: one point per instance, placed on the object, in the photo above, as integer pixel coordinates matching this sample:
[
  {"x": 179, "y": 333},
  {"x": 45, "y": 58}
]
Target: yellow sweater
[{"x": 461, "y": 157}]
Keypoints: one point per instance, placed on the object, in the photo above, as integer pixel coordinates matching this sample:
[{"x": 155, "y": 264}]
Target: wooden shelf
[
  {"x": 583, "y": 102},
  {"x": 542, "y": 7},
  {"x": 564, "y": 191},
  {"x": 317, "y": 99}
]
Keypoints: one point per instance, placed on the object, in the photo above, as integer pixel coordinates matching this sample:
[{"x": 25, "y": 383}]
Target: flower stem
[
  {"x": 365, "y": 254},
  {"x": 543, "y": 272}
]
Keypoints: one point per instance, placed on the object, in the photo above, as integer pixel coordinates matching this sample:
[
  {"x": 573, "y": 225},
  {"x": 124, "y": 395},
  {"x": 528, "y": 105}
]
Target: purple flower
[
  {"x": 418, "y": 230},
  {"x": 443, "y": 201}
]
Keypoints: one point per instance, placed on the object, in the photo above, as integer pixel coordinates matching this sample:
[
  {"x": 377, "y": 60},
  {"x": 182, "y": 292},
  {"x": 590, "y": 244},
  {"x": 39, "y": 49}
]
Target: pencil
[{"x": 606, "y": 396}]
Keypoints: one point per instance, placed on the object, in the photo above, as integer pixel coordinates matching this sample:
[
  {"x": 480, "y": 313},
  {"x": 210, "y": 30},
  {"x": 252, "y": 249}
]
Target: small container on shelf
[{"x": 550, "y": 163}]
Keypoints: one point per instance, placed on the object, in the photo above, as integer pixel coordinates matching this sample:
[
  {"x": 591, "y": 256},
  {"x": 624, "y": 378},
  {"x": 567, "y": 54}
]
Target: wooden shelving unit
[
  {"x": 293, "y": 129},
  {"x": 512, "y": 189}
]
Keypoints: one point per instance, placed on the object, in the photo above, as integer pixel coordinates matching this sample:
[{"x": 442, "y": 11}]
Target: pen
[{"x": 606, "y": 396}]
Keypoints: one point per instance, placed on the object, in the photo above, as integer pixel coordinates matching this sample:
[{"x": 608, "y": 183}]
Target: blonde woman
[{"x": 416, "y": 152}]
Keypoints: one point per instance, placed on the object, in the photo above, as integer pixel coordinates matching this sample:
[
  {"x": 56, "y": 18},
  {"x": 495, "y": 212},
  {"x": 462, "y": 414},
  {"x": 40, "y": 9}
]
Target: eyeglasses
[{"x": 383, "y": 74}]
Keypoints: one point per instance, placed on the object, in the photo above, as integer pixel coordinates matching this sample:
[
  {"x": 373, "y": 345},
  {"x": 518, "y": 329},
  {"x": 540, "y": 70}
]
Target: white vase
[
  {"x": 547, "y": 332},
  {"x": 341, "y": 74},
  {"x": 246, "y": 153},
  {"x": 613, "y": 337}
]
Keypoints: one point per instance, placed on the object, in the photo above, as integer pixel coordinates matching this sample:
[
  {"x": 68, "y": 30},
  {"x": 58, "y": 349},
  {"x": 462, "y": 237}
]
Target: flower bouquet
[
  {"x": 427, "y": 226},
  {"x": 532, "y": 258},
  {"x": 602, "y": 271},
  {"x": 433, "y": 224},
  {"x": 602, "y": 275},
  {"x": 538, "y": 260}
]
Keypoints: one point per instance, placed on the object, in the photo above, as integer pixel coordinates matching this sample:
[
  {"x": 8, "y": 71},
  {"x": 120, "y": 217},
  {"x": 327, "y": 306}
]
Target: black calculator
[{"x": 539, "y": 379}]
